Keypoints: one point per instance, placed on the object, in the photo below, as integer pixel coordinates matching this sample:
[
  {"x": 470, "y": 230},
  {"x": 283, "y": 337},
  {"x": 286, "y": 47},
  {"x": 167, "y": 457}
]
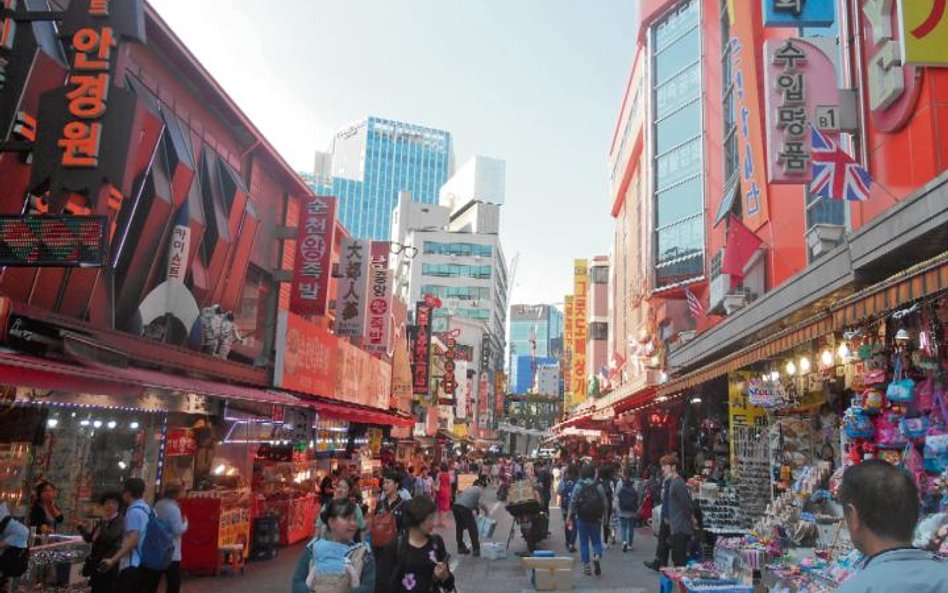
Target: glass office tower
[{"x": 374, "y": 159}]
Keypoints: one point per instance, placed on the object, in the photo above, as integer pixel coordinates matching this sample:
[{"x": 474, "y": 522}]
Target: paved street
[{"x": 621, "y": 572}]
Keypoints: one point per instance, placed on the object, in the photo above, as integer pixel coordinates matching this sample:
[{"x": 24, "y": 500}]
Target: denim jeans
[
  {"x": 627, "y": 528},
  {"x": 589, "y": 533},
  {"x": 569, "y": 532}
]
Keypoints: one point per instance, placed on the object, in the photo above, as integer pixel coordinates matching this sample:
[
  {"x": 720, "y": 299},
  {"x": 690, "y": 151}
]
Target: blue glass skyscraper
[{"x": 374, "y": 159}]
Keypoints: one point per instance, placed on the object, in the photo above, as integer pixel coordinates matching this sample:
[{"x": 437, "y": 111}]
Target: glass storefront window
[
  {"x": 674, "y": 58},
  {"x": 679, "y": 201},
  {"x": 679, "y": 127}
]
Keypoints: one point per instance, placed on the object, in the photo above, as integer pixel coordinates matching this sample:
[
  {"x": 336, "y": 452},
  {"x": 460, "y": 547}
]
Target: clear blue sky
[{"x": 537, "y": 83}]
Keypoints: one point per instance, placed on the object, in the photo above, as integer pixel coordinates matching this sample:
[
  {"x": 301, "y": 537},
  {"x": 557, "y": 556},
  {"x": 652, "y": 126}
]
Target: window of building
[
  {"x": 679, "y": 181},
  {"x": 598, "y": 330},
  {"x": 731, "y": 159},
  {"x": 469, "y": 249},
  {"x": 599, "y": 275},
  {"x": 470, "y": 293},
  {"x": 456, "y": 271}
]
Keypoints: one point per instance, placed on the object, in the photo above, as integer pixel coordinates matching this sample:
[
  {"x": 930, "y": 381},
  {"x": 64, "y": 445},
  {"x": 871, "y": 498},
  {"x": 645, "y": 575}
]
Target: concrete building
[
  {"x": 452, "y": 250},
  {"x": 597, "y": 315}
]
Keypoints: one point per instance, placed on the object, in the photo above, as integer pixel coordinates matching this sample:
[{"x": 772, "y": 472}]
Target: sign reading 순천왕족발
[
  {"x": 312, "y": 264},
  {"x": 61, "y": 241}
]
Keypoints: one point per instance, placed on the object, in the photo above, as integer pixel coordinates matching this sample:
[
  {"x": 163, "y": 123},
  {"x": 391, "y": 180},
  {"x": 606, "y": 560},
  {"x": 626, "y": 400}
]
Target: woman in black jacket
[
  {"x": 45, "y": 515},
  {"x": 106, "y": 539}
]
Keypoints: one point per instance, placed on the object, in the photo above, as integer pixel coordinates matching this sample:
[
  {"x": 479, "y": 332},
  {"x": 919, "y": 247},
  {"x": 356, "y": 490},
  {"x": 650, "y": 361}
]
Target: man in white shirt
[{"x": 168, "y": 510}]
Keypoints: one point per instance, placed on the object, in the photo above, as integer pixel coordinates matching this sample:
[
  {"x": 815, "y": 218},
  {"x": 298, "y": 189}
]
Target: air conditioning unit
[
  {"x": 733, "y": 302},
  {"x": 822, "y": 238},
  {"x": 719, "y": 289}
]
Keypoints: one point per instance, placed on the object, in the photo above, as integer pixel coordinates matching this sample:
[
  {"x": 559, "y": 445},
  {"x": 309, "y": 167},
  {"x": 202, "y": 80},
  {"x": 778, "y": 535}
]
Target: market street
[{"x": 620, "y": 572}]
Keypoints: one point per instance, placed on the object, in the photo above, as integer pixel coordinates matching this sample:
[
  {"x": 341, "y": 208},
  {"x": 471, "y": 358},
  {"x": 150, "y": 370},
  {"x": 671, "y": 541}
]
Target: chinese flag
[{"x": 741, "y": 245}]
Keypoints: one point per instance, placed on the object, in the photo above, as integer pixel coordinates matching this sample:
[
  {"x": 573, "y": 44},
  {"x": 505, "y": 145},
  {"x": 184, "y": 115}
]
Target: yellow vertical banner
[
  {"x": 568, "y": 350},
  {"x": 923, "y": 32},
  {"x": 580, "y": 310},
  {"x": 740, "y": 411}
]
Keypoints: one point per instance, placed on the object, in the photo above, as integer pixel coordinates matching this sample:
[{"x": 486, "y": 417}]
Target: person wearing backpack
[
  {"x": 134, "y": 576},
  {"x": 627, "y": 503},
  {"x": 565, "y": 491},
  {"x": 587, "y": 508},
  {"x": 168, "y": 510}
]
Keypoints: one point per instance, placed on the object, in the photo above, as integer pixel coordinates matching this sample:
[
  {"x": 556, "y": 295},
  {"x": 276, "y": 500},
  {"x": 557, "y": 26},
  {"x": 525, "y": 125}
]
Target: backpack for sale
[
  {"x": 628, "y": 498},
  {"x": 157, "y": 547},
  {"x": 590, "y": 505}
]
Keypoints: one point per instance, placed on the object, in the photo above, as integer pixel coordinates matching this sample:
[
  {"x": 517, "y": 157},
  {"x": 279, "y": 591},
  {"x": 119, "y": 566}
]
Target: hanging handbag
[
  {"x": 936, "y": 453},
  {"x": 873, "y": 401},
  {"x": 902, "y": 389},
  {"x": 857, "y": 425},
  {"x": 888, "y": 435},
  {"x": 874, "y": 377},
  {"x": 914, "y": 428},
  {"x": 924, "y": 392}
]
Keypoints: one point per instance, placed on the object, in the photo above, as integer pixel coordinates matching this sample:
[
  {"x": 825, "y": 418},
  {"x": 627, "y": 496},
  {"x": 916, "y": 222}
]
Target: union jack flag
[{"x": 835, "y": 174}]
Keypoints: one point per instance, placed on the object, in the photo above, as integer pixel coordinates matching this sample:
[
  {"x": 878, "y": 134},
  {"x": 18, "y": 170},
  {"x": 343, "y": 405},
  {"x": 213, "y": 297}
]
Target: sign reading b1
[{"x": 799, "y": 13}]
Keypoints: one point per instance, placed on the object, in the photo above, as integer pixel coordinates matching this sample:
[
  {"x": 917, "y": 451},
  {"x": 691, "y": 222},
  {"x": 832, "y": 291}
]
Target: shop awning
[
  {"x": 40, "y": 373},
  {"x": 344, "y": 411},
  {"x": 915, "y": 283}
]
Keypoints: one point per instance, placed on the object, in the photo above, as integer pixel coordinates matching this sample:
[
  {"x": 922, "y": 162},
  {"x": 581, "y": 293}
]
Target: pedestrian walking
[
  {"x": 341, "y": 491},
  {"x": 444, "y": 494},
  {"x": 627, "y": 506},
  {"x": 106, "y": 539},
  {"x": 587, "y": 508},
  {"x": 544, "y": 486},
  {"x": 336, "y": 563},
  {"x": 880, "y": 507},
  {"x": 677, "y": 526},
  {"x": 565, "y": 492},
  {"x": 420, "y": 562},
  {"x": 468, "y": 503},
  {"x": 606, "y": 474},
  {"x": 132, "y": 576},
  {"x": 387, "y": 524},
  {"x": 169, "y": 511}
]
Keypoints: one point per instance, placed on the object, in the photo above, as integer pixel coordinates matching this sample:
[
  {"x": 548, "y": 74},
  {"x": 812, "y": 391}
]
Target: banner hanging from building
[
  {"x": 312, "y": 266},
  {"x": 747, "y": 106},
  {"x": 378, "y": 327},
  {"x": 580, "y": 291},
  {"x": 306, "y": 356},
  {"x": 421, "y": 350},
  {"x": 568, "y": 322},
  {"x": 350, "y": 290},
  {"x": 449, "y": 382}
]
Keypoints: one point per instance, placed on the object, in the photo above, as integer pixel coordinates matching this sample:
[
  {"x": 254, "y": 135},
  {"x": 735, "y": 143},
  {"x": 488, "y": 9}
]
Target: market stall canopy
[{"x": 344, "y": 411}]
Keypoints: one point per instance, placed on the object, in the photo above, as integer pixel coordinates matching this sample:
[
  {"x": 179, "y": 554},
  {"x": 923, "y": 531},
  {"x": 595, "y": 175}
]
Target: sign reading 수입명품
[{"x": 796, "y": 78}]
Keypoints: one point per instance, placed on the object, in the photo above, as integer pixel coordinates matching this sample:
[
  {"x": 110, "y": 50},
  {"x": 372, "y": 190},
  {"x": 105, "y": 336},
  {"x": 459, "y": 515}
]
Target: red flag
[{"x": 741, "y": 245}]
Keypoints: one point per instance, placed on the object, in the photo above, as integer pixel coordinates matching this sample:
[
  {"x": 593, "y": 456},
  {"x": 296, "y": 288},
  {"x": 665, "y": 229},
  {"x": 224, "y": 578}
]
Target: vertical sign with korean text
[
  {"x": 83, "y": 130},
  {"x": 449, "y": 380},
  {"x": 500, "y": 378},
  {"x": 796, "y": 77},
  {"x": 421, "y": 350},
  {"x": 568, "y": 323},
  {"x": 350, "y": 290},
  {"x": 378, "y": 326},
  {"x": 312, "y": 266},
  {"x": 747, "y": 106},
  {"x": 580, "y": 290}
]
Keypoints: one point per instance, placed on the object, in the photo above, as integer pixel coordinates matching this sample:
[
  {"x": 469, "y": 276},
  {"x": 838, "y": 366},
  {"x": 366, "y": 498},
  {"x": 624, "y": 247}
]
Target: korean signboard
[
  {"x": 485, "y": 352},
  {"x": 923, "y": 32},
  {"x": 449, "y": 380},
  {"x": 799, "y": 13},
  {"x": 499, "y": 379},
  {"x": 484, "y": 400},
  {"x": 362, "y": 378},
  {"x": 568, "y": 323},
  {"x": 741, "y": 413},
  {"x": 463, "y": 391},
  {"x": 312, "y": 266},
  {"x": 306, "y": 356},
  {"x": 421, "y": 349},
  {"x": 378, "y": 327},
  {"x": 83, "y": 129},
  {"x": 796, "y": 79},
  {"x": 747, "y": 105},
  {"x": 180, "y": 442},
  {"x": 892, "y": 84},
  {"x": 580, "y": 290},
  {"x": 350, "y": 291}
]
